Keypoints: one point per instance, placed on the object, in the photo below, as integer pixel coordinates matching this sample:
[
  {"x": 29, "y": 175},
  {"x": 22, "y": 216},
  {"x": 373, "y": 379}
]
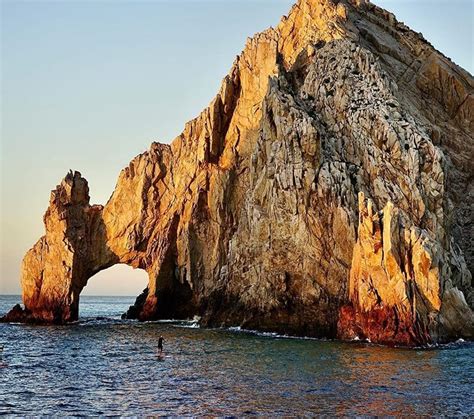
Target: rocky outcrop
[
  {"x": 325, "y": 191},
  {"x": 402, "y": 282},
  {"x": 73, "y": 249}
]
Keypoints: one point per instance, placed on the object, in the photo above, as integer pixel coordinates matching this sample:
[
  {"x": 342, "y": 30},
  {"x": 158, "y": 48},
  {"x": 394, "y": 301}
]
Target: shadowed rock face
[{"x": 325, "y": 191}]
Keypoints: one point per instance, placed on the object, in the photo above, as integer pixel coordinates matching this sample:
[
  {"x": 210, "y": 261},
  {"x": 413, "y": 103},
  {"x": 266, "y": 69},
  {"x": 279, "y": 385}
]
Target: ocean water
[{"x": 103, "y": 365}]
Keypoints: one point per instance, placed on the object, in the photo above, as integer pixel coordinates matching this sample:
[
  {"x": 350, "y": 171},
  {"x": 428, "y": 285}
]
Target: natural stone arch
[
  {"x": 77, "y": 245},
  {"x": 270, "y": 209}
]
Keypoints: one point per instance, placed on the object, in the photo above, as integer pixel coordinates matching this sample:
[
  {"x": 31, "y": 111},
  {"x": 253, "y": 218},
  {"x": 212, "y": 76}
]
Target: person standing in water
[{"x": 160, "y": 344}]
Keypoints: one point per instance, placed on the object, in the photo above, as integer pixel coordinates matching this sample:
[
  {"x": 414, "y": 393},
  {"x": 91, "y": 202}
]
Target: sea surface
[{"x": 106, "y": 366}]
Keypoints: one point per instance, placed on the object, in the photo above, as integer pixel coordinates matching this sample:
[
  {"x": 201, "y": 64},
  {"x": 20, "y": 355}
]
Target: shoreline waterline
[{"x": 194, "y": 323}]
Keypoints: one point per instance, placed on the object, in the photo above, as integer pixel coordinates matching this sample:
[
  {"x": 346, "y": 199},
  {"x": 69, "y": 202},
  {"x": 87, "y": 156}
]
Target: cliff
[{"x": 326, "y": 191}]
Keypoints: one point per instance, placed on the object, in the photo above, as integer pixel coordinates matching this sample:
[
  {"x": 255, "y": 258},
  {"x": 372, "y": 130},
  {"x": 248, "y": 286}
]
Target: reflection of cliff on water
[
  {"x": 110, "y": 365},
  {"x": 378, "y": 379}
]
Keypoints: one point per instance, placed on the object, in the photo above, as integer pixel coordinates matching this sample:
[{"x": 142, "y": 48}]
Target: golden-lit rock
[
  {"x": 399, "y": 272},
  {"x": 325, "y": 191}
]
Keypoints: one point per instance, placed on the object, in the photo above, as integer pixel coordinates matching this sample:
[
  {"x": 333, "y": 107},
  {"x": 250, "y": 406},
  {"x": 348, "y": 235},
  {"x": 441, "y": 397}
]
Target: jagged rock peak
[{"x": 73, "y": 189}]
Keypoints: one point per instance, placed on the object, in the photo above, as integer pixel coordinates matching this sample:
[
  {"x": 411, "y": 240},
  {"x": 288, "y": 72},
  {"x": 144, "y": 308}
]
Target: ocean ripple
[{"x": 103, "y": 365}]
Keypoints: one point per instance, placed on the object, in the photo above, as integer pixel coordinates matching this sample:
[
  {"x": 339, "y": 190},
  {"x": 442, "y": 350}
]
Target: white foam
[
  {"x": 190, "y": 325},
  {"x": 239, "y": 329},
  {"x": 235, "y": 329}
]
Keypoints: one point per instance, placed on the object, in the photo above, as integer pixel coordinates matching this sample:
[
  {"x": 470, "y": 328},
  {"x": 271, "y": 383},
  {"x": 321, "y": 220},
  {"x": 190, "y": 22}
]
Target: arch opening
[{"x": 110, "y": 292}]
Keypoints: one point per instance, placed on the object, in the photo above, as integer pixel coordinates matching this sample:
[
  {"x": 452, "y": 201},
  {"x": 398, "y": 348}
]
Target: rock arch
[
  {"x": 77, "y": 245},
  {"x": 315, "y": 195}
]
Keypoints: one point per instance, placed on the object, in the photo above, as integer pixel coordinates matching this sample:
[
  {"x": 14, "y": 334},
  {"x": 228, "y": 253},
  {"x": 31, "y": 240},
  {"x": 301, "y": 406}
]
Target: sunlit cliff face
[{"x": 313, "y": 196}]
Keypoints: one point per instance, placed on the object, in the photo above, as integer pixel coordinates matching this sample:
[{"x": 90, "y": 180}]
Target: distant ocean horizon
[{"x": 104, "y": 365}]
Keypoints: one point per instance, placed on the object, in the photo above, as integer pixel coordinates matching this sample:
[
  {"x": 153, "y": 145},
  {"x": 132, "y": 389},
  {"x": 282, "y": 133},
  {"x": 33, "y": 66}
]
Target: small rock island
[{"x": 326, "y": 191}]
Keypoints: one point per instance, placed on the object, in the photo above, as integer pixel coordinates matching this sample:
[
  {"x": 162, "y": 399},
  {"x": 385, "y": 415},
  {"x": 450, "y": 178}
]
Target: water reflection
[
  {"x": 110, "y": 367},
  {"x": 379, "y": 380}
]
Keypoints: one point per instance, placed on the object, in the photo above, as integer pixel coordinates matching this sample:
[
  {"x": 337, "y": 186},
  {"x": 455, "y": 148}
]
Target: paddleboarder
[{"x": 160, "y": 344}]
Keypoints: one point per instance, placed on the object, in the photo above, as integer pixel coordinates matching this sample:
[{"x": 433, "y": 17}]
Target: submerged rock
[{"x": 325, "y": 191}]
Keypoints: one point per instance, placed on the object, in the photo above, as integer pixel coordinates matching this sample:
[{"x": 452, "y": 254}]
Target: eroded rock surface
[{"x": 326, "y": 191}]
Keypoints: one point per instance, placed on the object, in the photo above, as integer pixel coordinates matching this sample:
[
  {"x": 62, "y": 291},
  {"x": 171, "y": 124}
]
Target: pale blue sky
[{"x": 87, "y": 85}]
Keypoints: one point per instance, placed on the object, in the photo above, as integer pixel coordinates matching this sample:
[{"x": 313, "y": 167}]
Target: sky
[{"x": 87, "y": 85}]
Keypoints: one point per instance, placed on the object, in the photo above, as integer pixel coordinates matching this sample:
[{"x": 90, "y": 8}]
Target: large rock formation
[{"x": 326, "y": 191}]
